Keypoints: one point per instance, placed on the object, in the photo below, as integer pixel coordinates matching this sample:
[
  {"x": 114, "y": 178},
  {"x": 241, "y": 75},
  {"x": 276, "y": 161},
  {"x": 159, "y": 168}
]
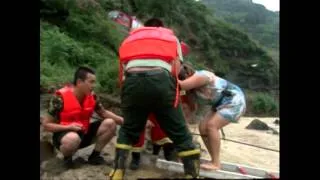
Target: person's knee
[
  {"x": 212, "y": 125},
  {"x": 217, "y": 122},
  {"x": 108, "y": 125},
  {"x": 70, "y": 141}
]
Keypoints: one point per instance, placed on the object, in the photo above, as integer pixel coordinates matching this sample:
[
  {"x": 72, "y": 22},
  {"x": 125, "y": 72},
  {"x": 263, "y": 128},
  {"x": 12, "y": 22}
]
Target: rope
[
  {"x": 223, "y": 138},
  {"x": 239, "y": 142}
]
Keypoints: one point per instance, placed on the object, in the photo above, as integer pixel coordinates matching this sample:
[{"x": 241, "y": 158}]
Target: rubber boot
[
  {"x": 135, "y": 161},
  {"x": 191, "y": 165},
  {"x": 119, "y": 164},
  {"x": 156, "y": 149},
  {"x": 169, "y": 152}
]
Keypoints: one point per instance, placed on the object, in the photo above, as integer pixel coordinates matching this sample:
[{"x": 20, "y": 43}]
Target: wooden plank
[
  {"x": 249, "y": 170},
  {"x": 219, "y": 174},
  {"x": 233, "y": 167}
]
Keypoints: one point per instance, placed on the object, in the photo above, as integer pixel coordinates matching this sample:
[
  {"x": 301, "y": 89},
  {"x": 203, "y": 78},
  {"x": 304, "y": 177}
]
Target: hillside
[
  {"x": 79, "y": 32},
  {"x": 260, "y": 23}
]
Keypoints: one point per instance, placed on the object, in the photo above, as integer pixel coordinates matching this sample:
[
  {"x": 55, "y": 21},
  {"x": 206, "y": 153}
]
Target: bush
[
  {"x": 56, "y": 47},
  {"x": 85, "y": 38},
  {"x": 61, "y": 54},
  {"x": 263, "y": 103},
  {"x": 54, "y": 75},
  {"x": 107, "y": 76},
  {"x": 76, "y": 33}
]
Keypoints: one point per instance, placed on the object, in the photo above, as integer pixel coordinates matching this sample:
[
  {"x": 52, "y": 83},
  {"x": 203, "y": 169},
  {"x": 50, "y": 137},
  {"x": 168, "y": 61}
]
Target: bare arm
[
  {"x": 102, "y": 112},
  {"x": 50, "y": 120},
  {"x": 49, "y": 124},
  {"x": 118, "y": 119},
  {"x": 192, "y": 82}
]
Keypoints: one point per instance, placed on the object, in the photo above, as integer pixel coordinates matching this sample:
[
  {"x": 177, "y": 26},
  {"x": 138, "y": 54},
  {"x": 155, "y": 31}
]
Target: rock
[
  {"x": 256, "y": 124},
  {"x": 277, "y": 122},
  {"x": 275, "y": 132}
]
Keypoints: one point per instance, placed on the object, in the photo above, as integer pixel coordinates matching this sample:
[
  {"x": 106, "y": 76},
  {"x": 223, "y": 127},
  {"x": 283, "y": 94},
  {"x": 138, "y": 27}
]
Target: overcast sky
[{"x": 272, "y": 5}]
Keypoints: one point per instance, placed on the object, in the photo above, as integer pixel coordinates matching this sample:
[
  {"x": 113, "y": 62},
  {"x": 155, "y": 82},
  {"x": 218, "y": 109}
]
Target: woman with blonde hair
[{"x": 226, "y": 99}]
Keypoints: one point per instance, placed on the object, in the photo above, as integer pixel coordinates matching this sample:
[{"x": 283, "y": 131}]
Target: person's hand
[
  {"x": 75, "y": 127},
  {"x": 119, "y": 121},
  {"x": 149, "y": 124}
]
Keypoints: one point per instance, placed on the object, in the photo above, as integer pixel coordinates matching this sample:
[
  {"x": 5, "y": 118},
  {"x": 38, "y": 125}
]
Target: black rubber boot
[
  {"x": 119, "y": 164},
  {"x": 156, "y": 149},
  {"x": 191, "y": 165},
  {"x": 135, "y": 161},
  {"x": 169, "y": 152}
]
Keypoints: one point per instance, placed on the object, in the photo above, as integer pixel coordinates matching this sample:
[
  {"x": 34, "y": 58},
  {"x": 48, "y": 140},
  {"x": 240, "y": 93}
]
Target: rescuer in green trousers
[{"x": 150, "y": 58}]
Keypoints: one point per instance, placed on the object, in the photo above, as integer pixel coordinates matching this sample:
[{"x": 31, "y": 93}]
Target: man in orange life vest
[
  {"x": 150, "y": 57},
  {"x": 69, "y": 114},
  {"x": 158, "y": 137}
]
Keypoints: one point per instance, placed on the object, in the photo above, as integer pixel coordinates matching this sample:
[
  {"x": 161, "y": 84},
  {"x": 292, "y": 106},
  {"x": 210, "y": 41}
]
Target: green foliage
[
  {"x": 74, "y": 33},
  {"x": 264, "y": 104},
  {"x": 86, "y": 37},
  {"x": 220, "y": 44},
  {"x": 94, "y": 26},
  {"x": 107, "y": 75},
  {"x": 254, "y": 19},
  {"x": 58, "y": 48},
  {"x": 54, "y": 75}
]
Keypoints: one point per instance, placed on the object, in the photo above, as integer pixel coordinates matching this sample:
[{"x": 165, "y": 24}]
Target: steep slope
[
  {"x": 79, "y": 32},
  {"x": 215, "y": 44},
  {"x": 260, "y": 23}
]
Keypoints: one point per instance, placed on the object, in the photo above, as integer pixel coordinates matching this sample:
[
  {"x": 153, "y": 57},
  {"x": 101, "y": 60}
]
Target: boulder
[{"x": 257, "y": 124}]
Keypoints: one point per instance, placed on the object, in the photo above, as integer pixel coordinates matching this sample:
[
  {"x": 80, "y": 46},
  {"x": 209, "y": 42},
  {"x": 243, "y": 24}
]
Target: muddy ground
[{"x": 53, "y": 169}]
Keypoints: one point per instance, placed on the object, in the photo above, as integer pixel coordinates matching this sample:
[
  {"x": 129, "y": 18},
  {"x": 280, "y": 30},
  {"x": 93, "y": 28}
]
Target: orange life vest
[
  {"x": 150, "y": 43},
  {"x": 72, "y": 111}
]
